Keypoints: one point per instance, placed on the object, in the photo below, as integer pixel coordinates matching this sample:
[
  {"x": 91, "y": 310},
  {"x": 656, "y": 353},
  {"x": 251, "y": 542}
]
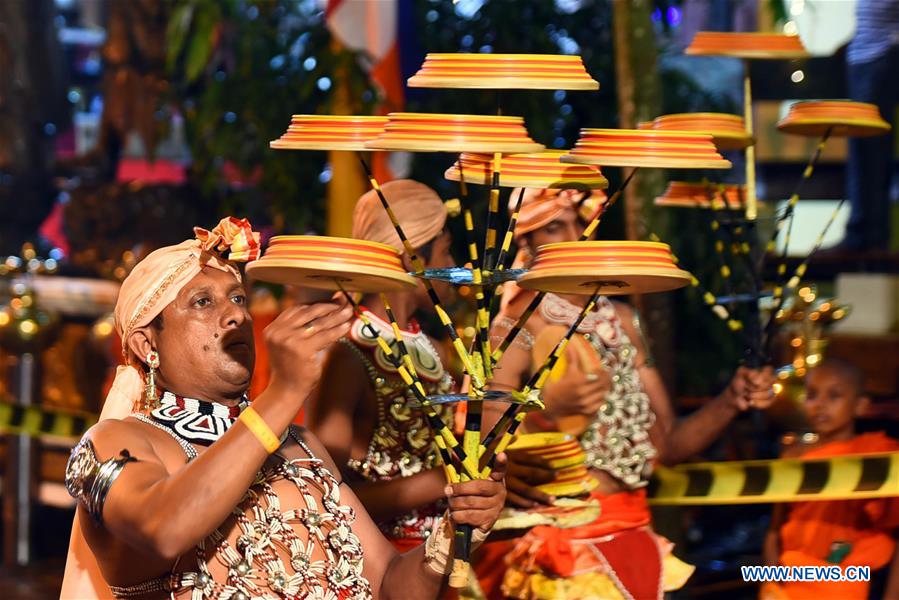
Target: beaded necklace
[{"x": 196, "y": 421}]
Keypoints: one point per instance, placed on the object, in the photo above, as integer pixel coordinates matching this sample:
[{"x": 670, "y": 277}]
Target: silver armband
[{"x": 88, "y": 480}]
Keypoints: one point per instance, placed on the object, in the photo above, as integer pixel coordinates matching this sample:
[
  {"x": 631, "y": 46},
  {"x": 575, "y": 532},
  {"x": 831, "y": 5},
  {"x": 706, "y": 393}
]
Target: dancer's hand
[
  {"x": 576, "y": 394},
  {"x": 296, "y": 339},
  {"x": 752, "y": 388},
  {"x": 478, "y": 503},
  {"x": 525, "y": 473}
]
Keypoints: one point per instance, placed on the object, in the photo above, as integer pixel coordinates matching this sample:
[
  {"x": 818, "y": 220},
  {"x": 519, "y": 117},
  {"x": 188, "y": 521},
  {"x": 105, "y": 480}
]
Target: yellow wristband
[{"x": 260, "y": 429}]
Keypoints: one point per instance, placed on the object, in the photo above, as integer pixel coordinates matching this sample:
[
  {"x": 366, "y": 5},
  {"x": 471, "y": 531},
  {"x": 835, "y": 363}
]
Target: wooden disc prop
[
  {"x": 540, "y": 170},
  {"x": 571, "y": 482},
  {"x": 423, "y": 132},
  {"x": 330, "y": 262},
  {"x": 646, "y": 148},
  {"x": 615, "y": 268},
  {"x": 760, "y": 46},
  {"x": 728, "y": 131},
  {"x": 503, "y": 72},
  {"x": 563, "y": 453},
  {"x": 844, "y": 118},
  {"x": 329, "y": 132},
  {"x": 684, "y": 194}
]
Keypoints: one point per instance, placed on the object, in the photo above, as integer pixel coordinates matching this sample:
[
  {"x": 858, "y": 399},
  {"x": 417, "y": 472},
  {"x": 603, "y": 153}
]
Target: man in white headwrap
[{"x": 185, "y": 489}]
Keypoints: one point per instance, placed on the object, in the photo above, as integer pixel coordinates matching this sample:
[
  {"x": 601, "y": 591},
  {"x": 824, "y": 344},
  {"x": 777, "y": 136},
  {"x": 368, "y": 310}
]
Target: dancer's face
[
  {"x": 832, "y": 402},
  {"x": 567, "y": 227},
  {"x": 205, "y": 339}
]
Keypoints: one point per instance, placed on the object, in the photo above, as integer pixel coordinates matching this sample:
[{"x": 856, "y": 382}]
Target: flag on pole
[{"x": 372, "y": 27}]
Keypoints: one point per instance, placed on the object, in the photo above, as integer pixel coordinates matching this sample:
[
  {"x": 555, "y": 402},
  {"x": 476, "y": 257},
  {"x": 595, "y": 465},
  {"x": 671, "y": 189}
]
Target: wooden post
[
  {"x": 347, "y": 180},
  {"x": 19, "y": 483},
  {"x": 639, "y": 89}
]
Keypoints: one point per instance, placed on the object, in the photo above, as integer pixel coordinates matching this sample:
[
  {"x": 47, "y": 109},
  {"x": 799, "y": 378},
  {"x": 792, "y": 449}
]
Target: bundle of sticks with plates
[
  {"x": 732, "y": 210},
  {"x": 495, "y": 152}
]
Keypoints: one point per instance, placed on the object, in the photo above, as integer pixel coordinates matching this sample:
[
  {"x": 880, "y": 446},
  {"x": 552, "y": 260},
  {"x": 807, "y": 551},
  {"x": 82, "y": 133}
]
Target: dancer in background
[
  {"x": 361, "y": 411},
  {"x": 612, "y": 397}
]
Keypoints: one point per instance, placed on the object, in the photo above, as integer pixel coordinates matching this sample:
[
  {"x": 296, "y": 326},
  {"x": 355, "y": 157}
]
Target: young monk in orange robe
[{"x": 836, "y": 532}]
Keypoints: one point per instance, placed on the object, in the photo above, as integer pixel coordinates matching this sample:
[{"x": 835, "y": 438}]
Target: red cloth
[
  {"x": 405, "y": 544},
  {"x": 157, "y": 172},
  {"x": 632, "y": 552}
]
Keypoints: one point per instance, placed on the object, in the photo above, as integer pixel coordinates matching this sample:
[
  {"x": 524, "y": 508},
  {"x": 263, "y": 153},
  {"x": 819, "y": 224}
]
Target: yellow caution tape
[
  {"x": 784, "y": 480},
  {"x": 36, "y": 421}
]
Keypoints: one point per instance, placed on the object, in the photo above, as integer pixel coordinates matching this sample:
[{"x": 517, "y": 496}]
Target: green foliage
[{"x": 239, "y": 69}]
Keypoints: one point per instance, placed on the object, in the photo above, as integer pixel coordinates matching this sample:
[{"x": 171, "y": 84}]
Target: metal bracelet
[{"x": 88, "y": 480}]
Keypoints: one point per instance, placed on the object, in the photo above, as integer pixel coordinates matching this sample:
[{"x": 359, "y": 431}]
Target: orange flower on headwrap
[{"x": 231, "y": 235}]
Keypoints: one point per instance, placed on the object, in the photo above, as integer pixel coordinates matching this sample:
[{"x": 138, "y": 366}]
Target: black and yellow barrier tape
[
  {"x": 37, "y": 421},
  {"x": 851, "y": 477}
]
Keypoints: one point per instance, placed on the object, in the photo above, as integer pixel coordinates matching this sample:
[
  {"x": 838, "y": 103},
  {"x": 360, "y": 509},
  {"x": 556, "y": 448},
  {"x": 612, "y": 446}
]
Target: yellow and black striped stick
[
  {"x": 38, "y": 421},
  {"x": 434, "y": 420},
  {"x": 851, "y": 477},
  {"x": 719, "y": 310},
  {"x": 469, "y": 464},
  {"x": 720, "y": 244},
  {"x": 464, "y": 356},
  {"x": 708, "y": 298},
  {"x": 590, "y": 229},
  {"x": 400, "y": 342},
  {"x": 535, "y": 383},
  {"x": 490, "y": 249},
  {"x": 786, "y": 219},
  {"x": 452, "y": 474},
  {"x": 492, "y": 215},
  {"x": 740, "y": 246},
  {"x": 482, "y": 319},
  {"x": 504, "y": 254},
  {"x": 449, "y": 469},
  {"x": 471, "y": 437},
  {"x": 519, "y": 325},
  {"x": 501, "y": 425},
  {"x": 538, "y": 379},
  {"x": 735, "y": 239},
  {"x": 782, "y": 292}
]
